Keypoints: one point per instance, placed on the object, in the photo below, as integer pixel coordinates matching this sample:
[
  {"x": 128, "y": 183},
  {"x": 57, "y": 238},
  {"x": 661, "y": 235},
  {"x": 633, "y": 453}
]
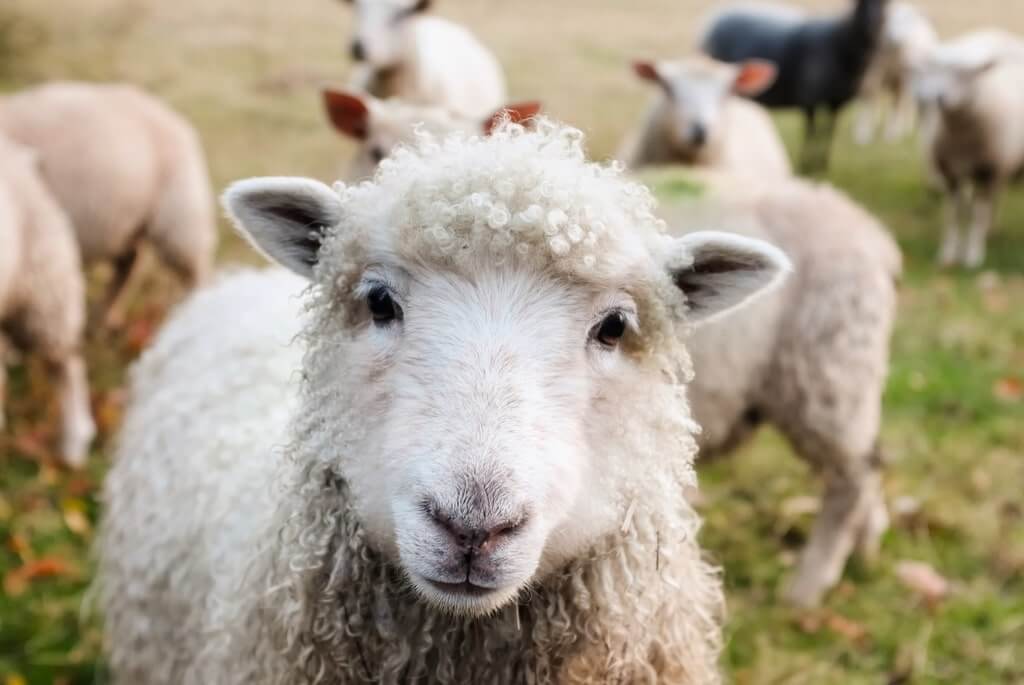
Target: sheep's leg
[
  {"x": 957, "y": 206},
  {"x": 902, "y": 120},
  {"x": 981, "y": 223},
  {"x": 125, "y": 267},
  {"x": 77, "y": 426},
  {"x": 868, "y": 119},
  {"x": 847, "y": 504},
  {"x": 810, "y": 137}
]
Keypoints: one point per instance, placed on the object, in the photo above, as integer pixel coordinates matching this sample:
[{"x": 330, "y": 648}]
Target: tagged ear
[
  {"x": 648, "y": 71},
  {"x": 755, "y": 77},
  {"x": 721, "y": 271},
  {"x": 518, "y": 113},
  {"x": 348, "y": 113},
  {"x": 284, "y": 218}
]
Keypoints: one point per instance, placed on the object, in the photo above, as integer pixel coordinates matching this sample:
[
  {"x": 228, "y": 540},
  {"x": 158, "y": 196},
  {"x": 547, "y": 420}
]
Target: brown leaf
[
  {"x": 107, "y": 408},
  {"x": 923, "y": 579},
  {"x": 16, "y": 581},
  {"x": 1008, "y": 389},
  {"x": 847, "y": 628}
]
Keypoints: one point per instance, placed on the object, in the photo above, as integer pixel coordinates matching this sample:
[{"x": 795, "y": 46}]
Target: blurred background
[{"x": 248, "y": 74}]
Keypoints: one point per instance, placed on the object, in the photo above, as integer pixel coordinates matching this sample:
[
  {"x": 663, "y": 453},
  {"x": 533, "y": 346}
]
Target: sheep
[
  {"x": 126, "y": 170},
  {"x": 402, "y": 51},
  {"x": 698, "y": 121},
  {"x": 42, "y": 293},
  {"x": 821, "y": 62},
  {"x": 812, "y": 359},
  {"x": 975, "y": 86},
  {"x": 907, "y": 39},
  {"x": 482, "y": 460},
  {"x": 378, "y": 126}
]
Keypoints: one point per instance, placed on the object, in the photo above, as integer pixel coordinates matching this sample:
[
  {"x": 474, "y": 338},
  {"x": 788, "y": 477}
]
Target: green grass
[{"x": 953, "y": 427}]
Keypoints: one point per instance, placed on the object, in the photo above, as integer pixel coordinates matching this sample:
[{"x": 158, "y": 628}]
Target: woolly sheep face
[
  {"x": 946, "y": 80},
  {"x": 698, "y": 88},
  {"x": 497, "y": 323},
  {"x": 377, "y": 36}
]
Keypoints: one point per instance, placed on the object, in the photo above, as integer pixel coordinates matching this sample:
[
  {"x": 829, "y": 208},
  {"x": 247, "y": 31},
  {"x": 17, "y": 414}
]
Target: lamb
[
  {"x": 975, "y": 85},
  {"x": 117, "y": 143},
  {"x": 811, "y": 359},
  {"x": 378, "y": 126},
  {"x": 821, "y": 62},
  {"x": 403, "y": 51},
  {"x": 697, "y": 119},
  {"x": 42, "y": 292},
  {"x": 482, "y": 460},
  {"x": 907, "y": 39}
]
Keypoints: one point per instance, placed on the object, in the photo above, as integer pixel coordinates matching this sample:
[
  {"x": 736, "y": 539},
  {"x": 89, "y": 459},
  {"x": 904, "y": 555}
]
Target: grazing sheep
[
  {"x": 975, "y": 86},
  {"x": 477, "y": 476},
  {"x": 907, "y": 40},
  {"x": 698, "y": 121},
  {"x": 42, "y": 293},
  {"x": 380, "y": 125},
  {"x": 126, "y": 169},
  {"x": 821, "y": 62},
  {"x": 404, "y": 52},
  {"x": 811, "y": 358}
]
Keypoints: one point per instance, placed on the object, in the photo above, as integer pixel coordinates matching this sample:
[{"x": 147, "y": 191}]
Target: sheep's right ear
[
  {"x": 720, "y": 271},
  {"x": 648, "y": 71},
  {"x": 518, "y": 113},
  {"x": 284, "y": 218},
  {"x": 348, "y": 112},
  {"x": 754, "y": 77}
]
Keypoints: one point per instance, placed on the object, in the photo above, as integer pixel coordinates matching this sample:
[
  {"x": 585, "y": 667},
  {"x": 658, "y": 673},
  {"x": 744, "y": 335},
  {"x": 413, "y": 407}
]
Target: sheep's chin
[{"x": 472, "y": 603}]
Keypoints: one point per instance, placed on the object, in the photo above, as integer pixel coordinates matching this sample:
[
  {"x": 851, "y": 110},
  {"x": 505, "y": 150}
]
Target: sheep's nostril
[
  {"x": 357, "y": 51},
  {"x": 476, "y": 539},
  {"x": 699, "y": 134}
]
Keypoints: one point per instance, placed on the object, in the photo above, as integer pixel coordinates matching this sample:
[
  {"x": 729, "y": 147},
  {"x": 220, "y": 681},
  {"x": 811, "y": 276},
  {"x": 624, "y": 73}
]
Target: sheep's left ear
[
  {"x": 754, "y": 77},
  {"x": 284, "y": 218},
  {"x": 720, "y": 271},
  {"x": 518, "y": 113}
]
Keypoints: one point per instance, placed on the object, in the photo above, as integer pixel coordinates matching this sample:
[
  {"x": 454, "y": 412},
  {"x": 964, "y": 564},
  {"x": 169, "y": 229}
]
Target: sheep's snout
[
  {"x": 357, "y": 50},
  {"x": 474, "y": 540},
  {"x": 698, "y": 134}
]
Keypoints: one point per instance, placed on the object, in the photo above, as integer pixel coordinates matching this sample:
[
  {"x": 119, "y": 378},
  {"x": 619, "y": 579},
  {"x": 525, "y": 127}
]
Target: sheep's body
[
  {"x": 306, "y": 551},
  {"x": 440, "y": 64},
  {"x": 978, "y": 137},
  {"x": 812, "y": 359},
  {"x": 745, "y": 142},
  {"x": 887, "y": 90},
  {"x": 821, "y": 62},
  {"x": 42, "y": 293},
  {"x": 145, "y": 162}
]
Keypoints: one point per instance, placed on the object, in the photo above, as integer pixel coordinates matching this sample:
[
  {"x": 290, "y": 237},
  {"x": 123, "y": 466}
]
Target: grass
[{"x": 246, "y": 74}]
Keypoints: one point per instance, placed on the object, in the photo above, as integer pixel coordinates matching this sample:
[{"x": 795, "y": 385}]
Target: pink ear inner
[
  {"x": 348, "y": 113},
  {"x": 517, "y": 113},
  {"x": 755, "y": 77}
]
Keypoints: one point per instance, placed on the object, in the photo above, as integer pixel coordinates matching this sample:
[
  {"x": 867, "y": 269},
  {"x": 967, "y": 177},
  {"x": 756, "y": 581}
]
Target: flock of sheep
[{"x": 453, "y": 438}]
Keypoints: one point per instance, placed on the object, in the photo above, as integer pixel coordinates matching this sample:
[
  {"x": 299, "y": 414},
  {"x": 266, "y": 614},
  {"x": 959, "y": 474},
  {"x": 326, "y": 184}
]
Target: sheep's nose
[
  {"x": 358, "y": 51},
  {"x": 476, "y": 539},
  {"x": 698, "y": 134}
]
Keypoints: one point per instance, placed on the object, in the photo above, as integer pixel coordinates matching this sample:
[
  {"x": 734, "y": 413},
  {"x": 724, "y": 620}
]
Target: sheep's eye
[
  {"x": 376, "y": 154},
  {"x": 383, "y": 308},
  {"x": 611, "y": 329}
]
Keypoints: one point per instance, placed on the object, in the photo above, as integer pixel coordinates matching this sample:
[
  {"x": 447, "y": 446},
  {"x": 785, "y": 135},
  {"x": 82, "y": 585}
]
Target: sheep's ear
[
  {"x": 754, "y": 77},
  {"x": 518, "y": 113},
  {"x": 284, "y": 218},
  {"x": 648, "y": 71},
  {"x": 349, "y": 113},
  {"x": 721, "y": 271}
]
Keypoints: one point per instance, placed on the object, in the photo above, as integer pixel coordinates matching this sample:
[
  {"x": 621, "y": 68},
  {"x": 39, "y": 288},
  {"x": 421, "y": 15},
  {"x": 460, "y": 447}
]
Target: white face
[
  {"x": 948, "y": 82},
  {"x": 696, "y": 98},
  {"x": 377, "y": 32}
]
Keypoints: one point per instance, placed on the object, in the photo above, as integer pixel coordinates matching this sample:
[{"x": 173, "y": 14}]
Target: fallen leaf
[
  {"x": 107, "y": 408},
  {"x": 1008, "y": 389},
  {"x": 923, "y": 579},
  {"x": 16, "y": 581},
  {"x": 847, "y": 628}
]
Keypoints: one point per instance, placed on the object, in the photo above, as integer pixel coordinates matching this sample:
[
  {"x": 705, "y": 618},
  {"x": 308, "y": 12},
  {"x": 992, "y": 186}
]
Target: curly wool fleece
[{"x": 317, "y": 603}]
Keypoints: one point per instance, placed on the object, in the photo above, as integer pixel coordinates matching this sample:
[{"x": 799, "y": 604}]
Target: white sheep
[
  {"x": 378, "y": 126},
  {"x": 887, "y": 90},
  {"x": 126, "y": 170},
  {"x": 478, "y": 475},
  {"x": 402, "y": 51},
  {"x": 42, "y": 292},
  {"x": 811, "y": 359},
  {"x": 975, "y": 85},
  {"x": 700, "y": 119}
]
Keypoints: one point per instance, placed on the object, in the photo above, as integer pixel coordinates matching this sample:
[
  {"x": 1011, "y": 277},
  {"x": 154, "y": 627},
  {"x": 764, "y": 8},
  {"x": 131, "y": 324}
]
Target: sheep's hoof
[{"x": 802, "y": 594}]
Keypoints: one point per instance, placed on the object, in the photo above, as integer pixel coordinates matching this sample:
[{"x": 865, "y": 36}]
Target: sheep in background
[
  {"x": 975, "y": 86},
  {"x": 887, "y": 91},
  {"x": 402, "y": 51},
  {"x": 42, "y": 293},
  {"x": 697, "y": 119},
  {"x": 378, "y": 126},
  {"x": 811, "y": 359},
  {"x": 486, "y": 448},
  {"x": 821, "y": 62},
  {"x": 126, "y": 170}
]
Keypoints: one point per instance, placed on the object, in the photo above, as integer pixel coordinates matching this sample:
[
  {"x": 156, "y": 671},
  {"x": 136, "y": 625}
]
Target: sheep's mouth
[{"x": 464, "y": 589}]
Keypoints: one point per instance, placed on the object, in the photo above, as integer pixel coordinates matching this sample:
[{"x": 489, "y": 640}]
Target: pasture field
[{"x": 247, "y": 73}]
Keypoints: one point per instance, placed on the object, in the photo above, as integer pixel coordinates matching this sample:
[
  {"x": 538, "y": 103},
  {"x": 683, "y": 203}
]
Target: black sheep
[{"x": 821, "y": 62}]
